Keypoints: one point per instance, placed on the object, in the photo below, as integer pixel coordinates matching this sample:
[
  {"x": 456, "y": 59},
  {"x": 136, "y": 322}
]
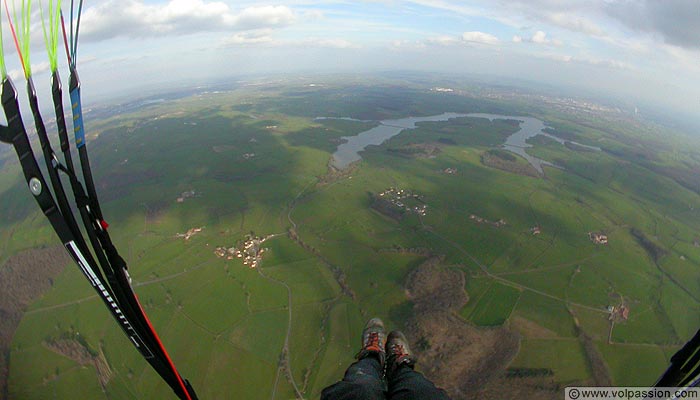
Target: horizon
[{"x": 644, "y": 53}]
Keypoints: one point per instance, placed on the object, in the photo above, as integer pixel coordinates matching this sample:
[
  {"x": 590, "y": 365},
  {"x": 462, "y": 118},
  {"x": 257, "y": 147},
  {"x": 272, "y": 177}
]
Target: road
[
  {"x": 285, "y": 348},
  {"x": 509, "y": 282},
  {"x": 138, "y": 284}
]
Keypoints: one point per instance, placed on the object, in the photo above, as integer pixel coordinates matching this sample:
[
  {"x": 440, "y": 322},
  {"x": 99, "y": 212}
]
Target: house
[
  {"x": 624, "y": 312},
  {"x": 598, "y": 238}
]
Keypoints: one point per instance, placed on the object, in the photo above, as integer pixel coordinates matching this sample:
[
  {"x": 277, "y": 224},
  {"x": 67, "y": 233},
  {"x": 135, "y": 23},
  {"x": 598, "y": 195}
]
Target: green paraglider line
[
  {"x": 77, "y": 31},
  {"x": 115, "y": 290},
  {"x": 74, "y": 40},
  {"x": 3, "y": 70},
  {"x": 14, "y": 36},
  {"x": 51, "y": 37},
  {"x": 98, "y": 227},
  {"x": 71, "y": 30}
]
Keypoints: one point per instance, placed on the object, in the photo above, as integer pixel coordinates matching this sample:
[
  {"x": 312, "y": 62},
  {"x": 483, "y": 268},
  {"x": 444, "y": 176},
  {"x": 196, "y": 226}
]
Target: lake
[
  {"x": 349, "y": 151},
  {"x": 529, "y": 127}
]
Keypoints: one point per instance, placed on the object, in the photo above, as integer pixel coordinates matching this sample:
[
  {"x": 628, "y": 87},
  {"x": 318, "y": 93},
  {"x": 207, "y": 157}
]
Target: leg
[
  {"x": 407, "y": 384},
  {"x": 404, "y": 382},
  {"x": 362, "y": 381}
]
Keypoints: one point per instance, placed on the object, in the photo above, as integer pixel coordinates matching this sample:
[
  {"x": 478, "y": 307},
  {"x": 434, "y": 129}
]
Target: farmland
[{"x": 259, "y": 162}]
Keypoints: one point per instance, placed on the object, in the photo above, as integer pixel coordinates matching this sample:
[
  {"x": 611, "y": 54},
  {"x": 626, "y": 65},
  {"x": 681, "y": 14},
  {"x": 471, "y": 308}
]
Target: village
[
  {"x": 450, "y": 171},
  {"x": 400, "y": 198},
  {"x": 480, "y": 220},
  {"x": 190, "y": 232},
  {"x": 187, "y": 195},
  {"x": 249, "y": 250}
]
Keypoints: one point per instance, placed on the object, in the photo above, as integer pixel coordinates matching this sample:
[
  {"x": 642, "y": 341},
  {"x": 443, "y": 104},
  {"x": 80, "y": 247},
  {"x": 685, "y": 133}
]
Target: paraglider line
[
  {"x": 14, "y": 36},
  {"x": 167, "y": 356},
  {"x": 65, "y": 39},
  {"x": 77, "y": 31},
  {"x": 71, "y": 27}
]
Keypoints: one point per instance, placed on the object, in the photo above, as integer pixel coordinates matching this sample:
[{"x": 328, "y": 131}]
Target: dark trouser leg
[
  {"x": 362, "y": 381},
  {"x": 407, "y": 384}
]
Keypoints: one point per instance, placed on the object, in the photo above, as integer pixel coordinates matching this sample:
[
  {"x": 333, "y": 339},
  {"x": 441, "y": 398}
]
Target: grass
[
  {"x": 224, "y": 324},
  {"x": 308, "y": 325},
  {"x": 476, "y": 288},
  {"x": 546, "y": 312},
  {"x": 569, "y": 366},
  {"x": 342, "y": 343},
  {"x": 633, "y": 365},
  {"x": 248, "y": 334},
  {"x": 495, "y": 306},
  {"x": 595, "y": 324}
]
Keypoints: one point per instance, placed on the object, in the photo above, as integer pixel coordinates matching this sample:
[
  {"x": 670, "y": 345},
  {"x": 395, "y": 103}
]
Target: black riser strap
[{"x": 39, "y": 189}]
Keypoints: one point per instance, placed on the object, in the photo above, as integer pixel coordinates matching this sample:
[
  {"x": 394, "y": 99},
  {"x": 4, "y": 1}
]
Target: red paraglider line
[
  {"x": 65, "y": 39},
  {"x": 14, "y": 36},
  {"x": 167, "y": 356}
]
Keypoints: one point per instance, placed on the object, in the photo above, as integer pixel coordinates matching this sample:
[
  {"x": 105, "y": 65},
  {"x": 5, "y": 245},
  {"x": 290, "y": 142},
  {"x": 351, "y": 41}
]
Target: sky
[{"x": 642, "y": 50}]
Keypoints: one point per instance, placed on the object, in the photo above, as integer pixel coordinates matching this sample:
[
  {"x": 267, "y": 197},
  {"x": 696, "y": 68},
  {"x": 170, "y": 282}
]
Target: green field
[
  {"x": 494, "y": 306},
  {"x": 569, "y": 365},
  {"x": 226, "y": 325}
]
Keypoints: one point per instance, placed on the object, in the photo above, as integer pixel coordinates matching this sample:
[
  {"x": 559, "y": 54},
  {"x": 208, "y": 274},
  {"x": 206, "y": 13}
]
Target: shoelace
[
  {"x": 373, "y": 342},
  {"x": 398, "y": 351}
]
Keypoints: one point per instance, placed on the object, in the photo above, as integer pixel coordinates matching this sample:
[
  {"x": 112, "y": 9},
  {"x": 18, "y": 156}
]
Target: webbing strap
[
  {"x": 115, "y": 291},
  {"x": 16, "y": 135},
  {"x": 685, "y": 366}
]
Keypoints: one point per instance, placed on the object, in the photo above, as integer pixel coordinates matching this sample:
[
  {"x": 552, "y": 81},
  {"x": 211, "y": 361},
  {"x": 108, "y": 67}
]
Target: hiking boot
[
  {"x": 373, "y": 340},
  {"x": 398, "y": 352}
]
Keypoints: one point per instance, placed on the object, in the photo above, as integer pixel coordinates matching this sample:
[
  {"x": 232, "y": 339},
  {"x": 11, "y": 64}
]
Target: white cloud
[
  {"x": 264, "y": 37},
  {"x": 135, "y": 18},
  {"x": 465, "y": 38},
  {"x": 562, "y": 58},
  {"x": 479, "y": 37},
  {"x": 443, "y": 40},
  {"x": 17, "y": 75},
  {"x": 311, "y": 15},
  {"x": 607, "y": 63},
  {"x": 259, "y": 36},
  {"x": 400, "y": 45},
  {"x": 268, "y": 16},
  {"x": 539, "y": 37},
  {"x": 335, "y": 43},
  {"x": 574, "y": 23}
]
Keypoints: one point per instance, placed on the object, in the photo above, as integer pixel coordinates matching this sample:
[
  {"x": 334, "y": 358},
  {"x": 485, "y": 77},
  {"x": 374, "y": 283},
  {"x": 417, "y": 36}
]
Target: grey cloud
[{"x": 676, "y": 21}]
